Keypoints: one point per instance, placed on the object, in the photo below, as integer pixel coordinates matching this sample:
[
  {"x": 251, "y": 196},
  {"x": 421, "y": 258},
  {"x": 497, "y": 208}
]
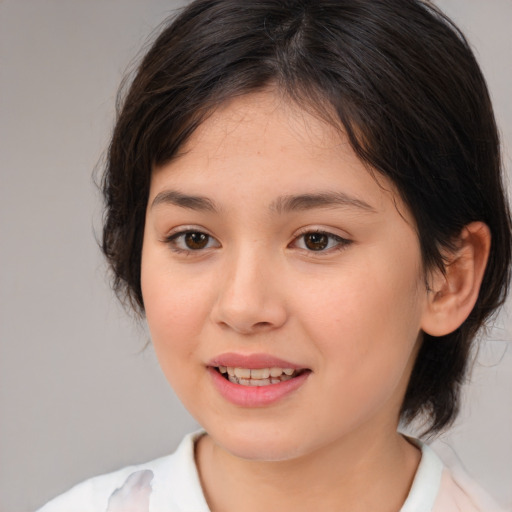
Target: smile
[{"x": 257, "y": 376}]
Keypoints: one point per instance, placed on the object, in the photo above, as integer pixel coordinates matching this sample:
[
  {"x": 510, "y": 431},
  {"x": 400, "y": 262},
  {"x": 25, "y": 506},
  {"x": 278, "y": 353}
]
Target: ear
[{"x": 453, "y": 294}]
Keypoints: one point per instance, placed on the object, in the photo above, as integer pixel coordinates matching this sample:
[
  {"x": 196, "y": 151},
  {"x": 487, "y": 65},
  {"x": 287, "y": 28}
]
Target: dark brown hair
[{"x": 400, "y": 79}]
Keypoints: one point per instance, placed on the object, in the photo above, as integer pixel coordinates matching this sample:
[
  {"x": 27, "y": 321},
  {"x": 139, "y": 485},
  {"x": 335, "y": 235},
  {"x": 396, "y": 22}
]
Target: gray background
[{"x": 78, "y": 396}]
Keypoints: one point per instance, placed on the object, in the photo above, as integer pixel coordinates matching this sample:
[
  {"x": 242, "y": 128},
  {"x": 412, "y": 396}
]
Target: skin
[{"x": 352, "y": 313}]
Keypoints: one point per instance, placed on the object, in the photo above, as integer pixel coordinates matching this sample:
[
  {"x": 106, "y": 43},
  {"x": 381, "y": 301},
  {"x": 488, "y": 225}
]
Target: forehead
[
  {"x": 263, "y": 142},
  {"x": 268, "y": 119}
]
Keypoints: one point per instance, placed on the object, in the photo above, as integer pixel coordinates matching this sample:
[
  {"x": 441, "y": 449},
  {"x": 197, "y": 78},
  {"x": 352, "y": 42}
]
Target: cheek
[
  {"x": 366, "y": 321},
  {"x": 373, "y": 300},
  {"x": 176, "y": 308},
  {"x": 171, "y": 310},
  {"x": 175, "y": 321}
]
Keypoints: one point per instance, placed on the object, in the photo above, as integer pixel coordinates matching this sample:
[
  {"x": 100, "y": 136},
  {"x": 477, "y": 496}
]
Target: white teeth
[
  {"x": 255, "y": 373},
  {"x": 257, "y": 376},
  {"x": 243, "y": 373},
  {"x": 260, "y": 382},
  {"x": 276, "y": 372},
  {"x": 261, "y": 373}
]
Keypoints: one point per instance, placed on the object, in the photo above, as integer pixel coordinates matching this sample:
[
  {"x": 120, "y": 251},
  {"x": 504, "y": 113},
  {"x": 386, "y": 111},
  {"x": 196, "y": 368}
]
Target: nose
[{"x": 251, "y": 295}]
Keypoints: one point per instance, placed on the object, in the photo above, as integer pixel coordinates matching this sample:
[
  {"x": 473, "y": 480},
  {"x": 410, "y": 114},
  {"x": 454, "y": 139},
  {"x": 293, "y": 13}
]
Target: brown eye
[
  {"x": 320, "y": 241},
  {"x": 190, "y": 241},
  {"x": 196, "y": 241},
  {"x": 316, "y": 241}
]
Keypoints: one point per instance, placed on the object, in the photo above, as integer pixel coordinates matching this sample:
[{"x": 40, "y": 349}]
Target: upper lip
[{"x": 254, "y": 361}]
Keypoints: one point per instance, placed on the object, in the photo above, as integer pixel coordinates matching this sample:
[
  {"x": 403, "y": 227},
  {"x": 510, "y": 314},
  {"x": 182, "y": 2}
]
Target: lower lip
[{"x": 255, "y": 396}]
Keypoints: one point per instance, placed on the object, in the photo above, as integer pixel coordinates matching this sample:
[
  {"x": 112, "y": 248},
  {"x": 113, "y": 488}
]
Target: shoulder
[
  {"x": 458, "y": 492},
  {"x": 171, "y": 479},
  {"x": 437, "y": 488},
  {"x": 93, "y": 495}
]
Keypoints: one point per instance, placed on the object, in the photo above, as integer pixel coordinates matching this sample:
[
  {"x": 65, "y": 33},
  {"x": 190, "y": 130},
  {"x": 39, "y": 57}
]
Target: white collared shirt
[{"x": 171, "y": 484}]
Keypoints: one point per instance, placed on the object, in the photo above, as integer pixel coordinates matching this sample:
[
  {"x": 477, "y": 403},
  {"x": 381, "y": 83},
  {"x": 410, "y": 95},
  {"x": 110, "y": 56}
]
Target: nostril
[{"x": 262, "y": 324}]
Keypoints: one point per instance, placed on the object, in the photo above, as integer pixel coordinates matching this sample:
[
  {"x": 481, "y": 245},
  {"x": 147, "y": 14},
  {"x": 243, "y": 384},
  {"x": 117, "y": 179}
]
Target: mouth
[
  {"x": 257, "y": 377},
  {"x": 256, "y": 380}
]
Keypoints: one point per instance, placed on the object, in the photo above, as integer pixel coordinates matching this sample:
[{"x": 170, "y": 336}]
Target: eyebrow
[
  {"x": 283, "y": 204},
  {"x": 301, "y": 202},
  {"x": 176, "y": 198}
]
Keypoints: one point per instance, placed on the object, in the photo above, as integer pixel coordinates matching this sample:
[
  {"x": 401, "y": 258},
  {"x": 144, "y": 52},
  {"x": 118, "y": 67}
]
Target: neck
[{"x": 365, "y": 472}]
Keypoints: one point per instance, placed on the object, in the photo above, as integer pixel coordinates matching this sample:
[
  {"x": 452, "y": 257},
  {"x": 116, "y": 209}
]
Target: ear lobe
[{"x": 453, "y": 294}]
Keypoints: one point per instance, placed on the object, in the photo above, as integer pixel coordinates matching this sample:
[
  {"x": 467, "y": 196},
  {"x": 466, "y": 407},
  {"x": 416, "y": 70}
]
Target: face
[{"x": 282, "y": 283}]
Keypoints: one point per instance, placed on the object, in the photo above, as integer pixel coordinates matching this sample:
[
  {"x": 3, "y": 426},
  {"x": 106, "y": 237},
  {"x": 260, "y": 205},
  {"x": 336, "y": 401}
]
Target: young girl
[{"x": 304, "y": 200}]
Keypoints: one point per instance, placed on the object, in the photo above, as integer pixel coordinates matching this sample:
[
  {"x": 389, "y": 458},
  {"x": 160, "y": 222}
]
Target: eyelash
[
  {"x": 174, "y": 239},
  {"x": 334, "y": 242}
]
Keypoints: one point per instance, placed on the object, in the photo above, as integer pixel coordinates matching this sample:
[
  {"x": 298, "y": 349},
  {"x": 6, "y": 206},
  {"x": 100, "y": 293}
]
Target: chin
[{"x": 259, "y": 444}]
